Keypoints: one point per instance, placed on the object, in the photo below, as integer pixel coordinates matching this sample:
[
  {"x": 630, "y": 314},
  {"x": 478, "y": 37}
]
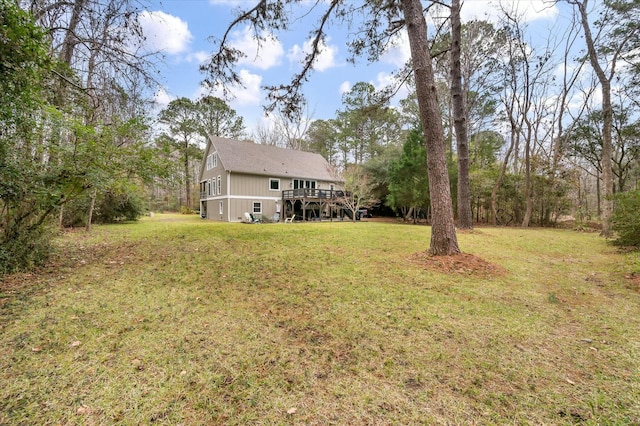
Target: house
[{"x": 268, "y": 182}]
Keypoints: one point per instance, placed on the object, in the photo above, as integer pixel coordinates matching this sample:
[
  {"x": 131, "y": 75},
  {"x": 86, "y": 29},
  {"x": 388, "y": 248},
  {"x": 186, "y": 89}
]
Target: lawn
[{"x": 176, "y": 320}]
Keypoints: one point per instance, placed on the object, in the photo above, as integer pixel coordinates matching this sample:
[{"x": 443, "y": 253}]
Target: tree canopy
[{"x": 74, "y": 124}]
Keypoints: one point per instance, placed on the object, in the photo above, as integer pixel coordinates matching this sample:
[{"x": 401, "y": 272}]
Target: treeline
[
  {"x": 534, "y": 115},
  {"x": 74, "y": 122}
]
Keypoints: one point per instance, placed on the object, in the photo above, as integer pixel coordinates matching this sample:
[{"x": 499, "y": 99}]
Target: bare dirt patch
[
  {"x": 462, "y": 263},
  {"x": 633, "y": 280}
]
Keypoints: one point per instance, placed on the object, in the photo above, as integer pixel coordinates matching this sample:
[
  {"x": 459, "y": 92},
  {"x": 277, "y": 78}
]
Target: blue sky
[{"x": 180, "y": 29}]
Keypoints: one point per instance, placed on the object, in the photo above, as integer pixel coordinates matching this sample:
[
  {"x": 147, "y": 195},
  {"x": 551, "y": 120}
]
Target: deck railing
[{"x": 322, "y": 194}]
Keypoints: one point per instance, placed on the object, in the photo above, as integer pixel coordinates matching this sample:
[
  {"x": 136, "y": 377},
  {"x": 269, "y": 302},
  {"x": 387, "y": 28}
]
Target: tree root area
[{"x": 461, "y": 263}]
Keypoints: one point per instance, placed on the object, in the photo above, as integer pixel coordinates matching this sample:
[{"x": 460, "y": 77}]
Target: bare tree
[
  {"x": 294, "y": 127},
  {"x": 265, "y": 135},
  {"x": 570, "y": 76},
  {"x": 527, "y": 89},
  {"x": 616, "y": 29},
  {"x": 358, "y": 190}
]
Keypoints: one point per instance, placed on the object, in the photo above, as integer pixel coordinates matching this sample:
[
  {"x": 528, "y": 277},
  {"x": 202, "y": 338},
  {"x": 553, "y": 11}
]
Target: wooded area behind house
[{"x": 529, "y": 133}]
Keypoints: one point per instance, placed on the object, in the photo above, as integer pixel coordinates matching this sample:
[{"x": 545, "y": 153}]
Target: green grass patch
[{"x": 176, "y": 320}]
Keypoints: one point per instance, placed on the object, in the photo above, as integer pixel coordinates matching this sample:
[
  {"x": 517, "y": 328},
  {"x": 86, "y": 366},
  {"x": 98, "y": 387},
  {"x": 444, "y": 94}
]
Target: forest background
[{"x": 83, "y": 141}]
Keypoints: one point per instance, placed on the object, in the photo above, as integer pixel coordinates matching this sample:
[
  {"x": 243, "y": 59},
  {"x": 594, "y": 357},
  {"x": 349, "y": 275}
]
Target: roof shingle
[{"x": 248, "y": 157}]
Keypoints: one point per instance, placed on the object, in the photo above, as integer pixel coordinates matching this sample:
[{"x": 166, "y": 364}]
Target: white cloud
[
  {"x": 249, "y": 95},
  {"x": 529, "y": 10},
  {"x": 245, "y": 101},
  {"x": 263, "y": 55},
  {"x": 399, "y": 53},
  {"x": 324, "y": 60},
  {"x": 165, "y": 33},
  {"x": 345, "y": 87},
  {"x": 200, "y": 57},
  {"x": 162, "y": 98},
  {"x": 383, "y": 80}
]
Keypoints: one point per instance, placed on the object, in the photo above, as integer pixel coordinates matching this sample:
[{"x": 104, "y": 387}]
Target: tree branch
[{"x": 289, "y": 96}]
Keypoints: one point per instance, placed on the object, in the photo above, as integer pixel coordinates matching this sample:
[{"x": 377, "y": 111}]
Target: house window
[
  {"x": 221, "y": 207},
  {"x": 301, "y": 183},
  {"x": 212, "y": 160},
  {"x": 219, "y": 185},
  {"x": 274, "y": 184},
  {"x": 257, "y": 208},
  {"x": 209, "y": 187}
]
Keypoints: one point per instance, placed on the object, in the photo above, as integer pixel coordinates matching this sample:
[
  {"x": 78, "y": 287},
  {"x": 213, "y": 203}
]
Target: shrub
[
  {"x": 112, "y": 206},
  {"x": 187, "y": 210},
  {"x": 625, "y": 219},
  {"x": 28, "y": 247},
  {"x": 116, "y": 207},
  {"x": 74, "y": 212}
]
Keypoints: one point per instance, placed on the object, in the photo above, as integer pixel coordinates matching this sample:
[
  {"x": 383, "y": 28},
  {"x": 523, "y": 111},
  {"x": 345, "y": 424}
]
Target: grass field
[{"x": 176, "y": 320}]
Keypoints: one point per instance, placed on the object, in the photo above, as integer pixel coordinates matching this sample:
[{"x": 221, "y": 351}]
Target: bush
[
  {"x": 625, "y": 219},
  {"x": 74, "y": 212},
  {"x": 28, "y": 247},
  {"x": 113, "y": 207},
  {"x": 187, "y": 210}
]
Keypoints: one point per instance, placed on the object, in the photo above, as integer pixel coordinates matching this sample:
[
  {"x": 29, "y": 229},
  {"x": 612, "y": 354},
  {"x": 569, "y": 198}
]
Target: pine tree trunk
[
  {"x": 465, "y": 217},
  {"x": 443, "y": 233}
]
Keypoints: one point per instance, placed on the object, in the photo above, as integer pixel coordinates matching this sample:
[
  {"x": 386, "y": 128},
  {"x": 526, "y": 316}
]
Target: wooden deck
[{"x": 312, "y": 203}]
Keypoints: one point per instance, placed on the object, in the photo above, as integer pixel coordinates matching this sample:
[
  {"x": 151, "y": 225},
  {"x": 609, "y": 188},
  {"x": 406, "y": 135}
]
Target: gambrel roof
[{"x": 256, "y": 159}]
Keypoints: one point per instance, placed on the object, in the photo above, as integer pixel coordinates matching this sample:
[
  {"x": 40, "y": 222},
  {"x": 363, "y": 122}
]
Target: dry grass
[{"x": 176, "y": 320}]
